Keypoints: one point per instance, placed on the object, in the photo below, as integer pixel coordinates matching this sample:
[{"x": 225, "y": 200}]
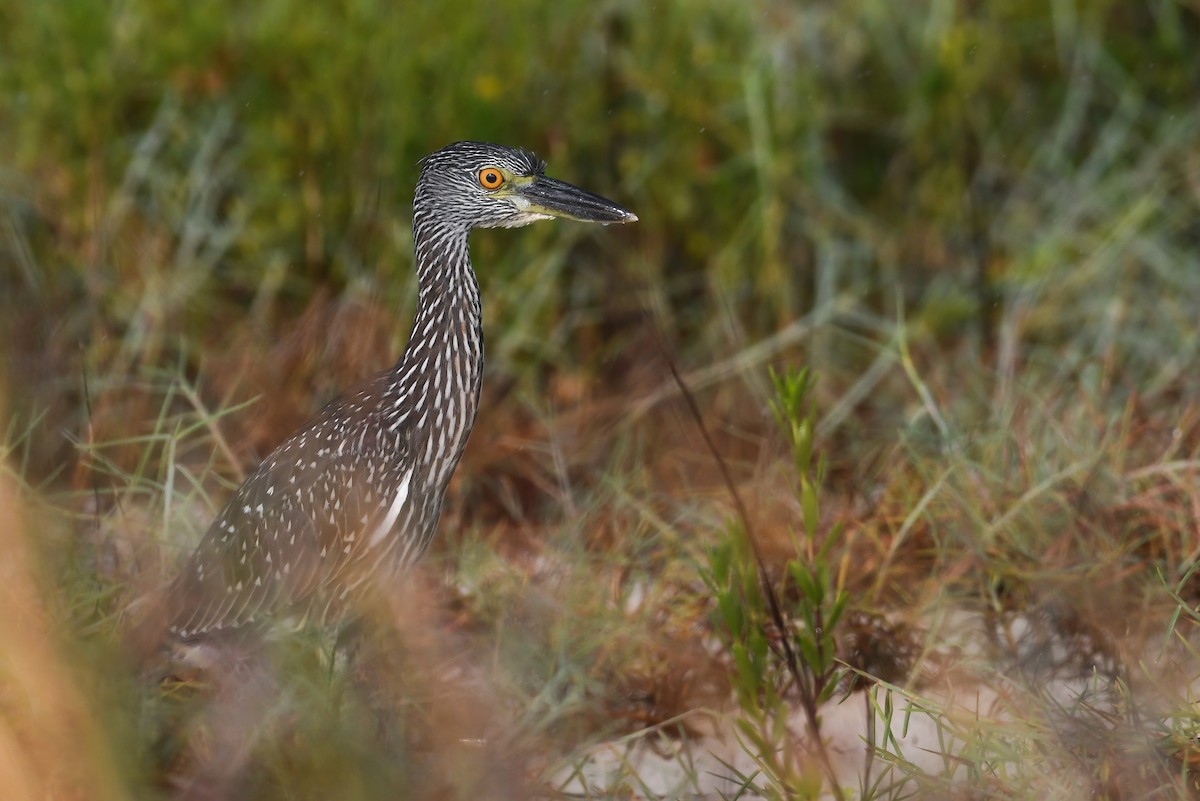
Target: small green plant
[{"x": 782, "y": 643}]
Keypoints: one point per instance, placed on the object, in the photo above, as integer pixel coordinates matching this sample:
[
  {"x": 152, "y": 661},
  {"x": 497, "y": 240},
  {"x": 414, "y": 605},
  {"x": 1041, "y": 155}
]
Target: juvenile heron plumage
[{"x": 353, "y": 497}]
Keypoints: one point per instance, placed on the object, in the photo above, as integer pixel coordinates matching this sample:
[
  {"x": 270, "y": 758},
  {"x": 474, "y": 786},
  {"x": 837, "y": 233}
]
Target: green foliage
[
  {"x": 780, "y": 154},
  {"x": 780, "y": 640}
]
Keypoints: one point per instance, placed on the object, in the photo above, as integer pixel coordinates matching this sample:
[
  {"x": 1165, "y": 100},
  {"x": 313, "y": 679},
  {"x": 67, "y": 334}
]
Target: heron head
[{"x": 481, "y": 185}]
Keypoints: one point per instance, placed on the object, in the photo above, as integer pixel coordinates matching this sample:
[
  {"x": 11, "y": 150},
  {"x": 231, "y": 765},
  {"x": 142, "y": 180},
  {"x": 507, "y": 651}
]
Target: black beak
[{"x": 561, "y": 199}]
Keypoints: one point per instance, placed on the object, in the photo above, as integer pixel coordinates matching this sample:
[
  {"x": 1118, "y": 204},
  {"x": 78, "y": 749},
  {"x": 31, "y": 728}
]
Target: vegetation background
[{"x": 977, "y": 222}]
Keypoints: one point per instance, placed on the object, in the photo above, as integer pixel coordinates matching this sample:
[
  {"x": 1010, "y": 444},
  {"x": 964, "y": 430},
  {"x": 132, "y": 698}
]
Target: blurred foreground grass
[{"x": 978, "y": 223}]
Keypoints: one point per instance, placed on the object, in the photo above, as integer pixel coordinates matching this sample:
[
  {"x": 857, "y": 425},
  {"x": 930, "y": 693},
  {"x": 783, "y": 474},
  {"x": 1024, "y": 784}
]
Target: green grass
[{"x": 975, "y": 223}]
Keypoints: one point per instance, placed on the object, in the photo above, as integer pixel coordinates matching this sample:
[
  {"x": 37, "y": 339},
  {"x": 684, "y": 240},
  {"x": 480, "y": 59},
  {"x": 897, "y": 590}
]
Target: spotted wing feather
[{"x": 313, "y": 521}]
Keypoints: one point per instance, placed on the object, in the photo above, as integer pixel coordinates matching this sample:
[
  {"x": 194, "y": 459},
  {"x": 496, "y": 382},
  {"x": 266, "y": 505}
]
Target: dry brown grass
[{"x": 53, "y": 742}]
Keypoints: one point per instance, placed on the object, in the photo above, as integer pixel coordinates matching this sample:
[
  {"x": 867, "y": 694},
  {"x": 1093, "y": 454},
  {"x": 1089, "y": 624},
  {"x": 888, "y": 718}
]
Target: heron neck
[
  {"x": 437, "y": 378},
  {"x": 447, "y": 290},
  {"x": 447, "y": 326}
]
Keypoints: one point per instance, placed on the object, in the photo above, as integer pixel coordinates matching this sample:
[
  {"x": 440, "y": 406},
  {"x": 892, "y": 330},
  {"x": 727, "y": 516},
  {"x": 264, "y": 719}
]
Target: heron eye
[{"x": 490, "y": 178}]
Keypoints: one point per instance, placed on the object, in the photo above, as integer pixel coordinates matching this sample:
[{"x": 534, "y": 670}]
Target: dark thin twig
[
  {"x": 808, "y": 694},
  {"x": 89, "y": 436}
]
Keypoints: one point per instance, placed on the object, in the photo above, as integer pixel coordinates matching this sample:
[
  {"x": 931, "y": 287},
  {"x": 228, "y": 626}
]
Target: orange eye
[{"x": 490, "y": 178}]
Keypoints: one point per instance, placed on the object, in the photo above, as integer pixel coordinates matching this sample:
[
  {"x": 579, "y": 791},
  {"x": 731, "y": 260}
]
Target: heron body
[{"x": 353, "y": 497}]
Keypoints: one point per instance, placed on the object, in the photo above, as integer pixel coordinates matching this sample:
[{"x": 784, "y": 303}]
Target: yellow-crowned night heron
[{"x": 354, "y": 496}]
